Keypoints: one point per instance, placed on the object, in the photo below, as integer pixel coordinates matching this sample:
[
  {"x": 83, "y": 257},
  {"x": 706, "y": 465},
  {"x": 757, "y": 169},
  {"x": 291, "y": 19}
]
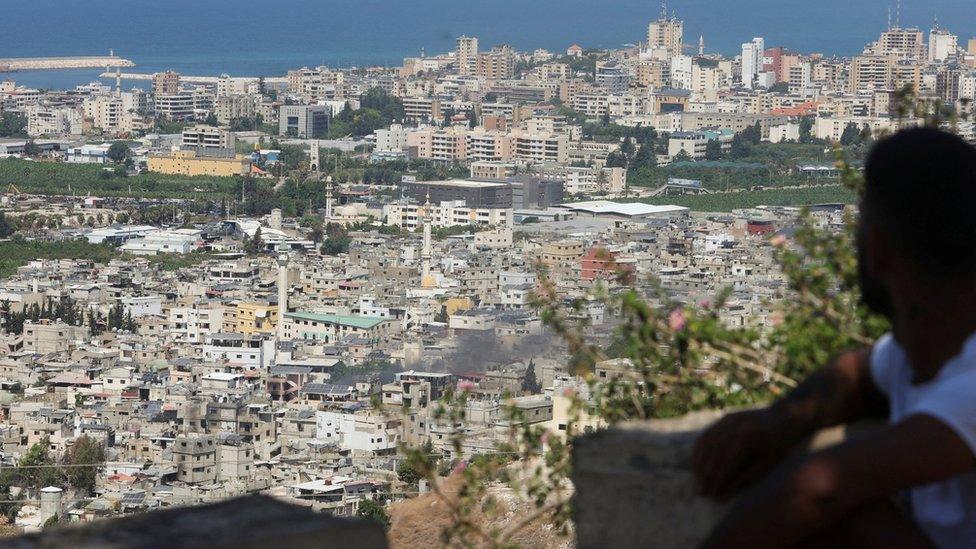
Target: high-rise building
[
  {"x": 612, "y": 76},
  {"x": 166, "y": 83},
  {"x": 752, "y": 61},
  {"x": 497, "y": 64},
  {"x": 466, "y": 54},
  {"x": 942, "y": 45},
  {"x": 667, "y": 33},
  {"x": 901, "y": 44}
]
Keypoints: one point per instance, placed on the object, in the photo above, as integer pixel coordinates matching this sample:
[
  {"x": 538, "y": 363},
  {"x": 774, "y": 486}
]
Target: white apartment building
[
  {"x": 446, "y": 214},
  {"x": 391, "y": 139},
  {"x": 205, "y": 137},
  {"x": 87, "y": 154},
  {"x": 62, "y": 120},
  {"x": 692, "y": 143},
  {"x": 832, "y": 128},
  {"x": 590, "y": 180},
  {"x": 178, "y": 106},
  {"x": 176, "y": 241},
  {"x": 488, "y": 146},
  {"x": 231, "y": 107},
  {"x": 752, "y": 61},
  {"x": 359, "y": 431},
  {"x": 466, "y": 55},
  {"x": 421, "y": 108},
  {"x": 250, "y": 352},
  {"x": 540, "y": 147},
  {"x": 942, "y": 45},
  {"x": 191, "y": 324},
  {"x": 105, "y": 112}
]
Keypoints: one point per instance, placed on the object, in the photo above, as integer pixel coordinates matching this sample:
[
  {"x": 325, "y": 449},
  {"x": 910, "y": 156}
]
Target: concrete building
[
  {"x": 391, "y": 139},
  {"x": 475, "y": 194},
  {"x": 48, "y": 336},
  {"x": 612, "y": 76},
  {"x": 304, "y": 121},
  {"x": 450, "y": 213},
  {"x": 61, "y": 120},
  {"x": 497, "y": 64},
  {"x": 192, "y": 163},
  {"x": 752, "y": 61},
  {"x": 176, "y": 106},
  {"x": 196, "y": 458},
  {"x": 228, "y": 108},
  {"x": 666, "y": 34},
  {"x": 165, "y": 83},
  {"x": 333, "y": 328},
  {"x": 207, "y": 138},
  {"x": 466, "y": 55}
]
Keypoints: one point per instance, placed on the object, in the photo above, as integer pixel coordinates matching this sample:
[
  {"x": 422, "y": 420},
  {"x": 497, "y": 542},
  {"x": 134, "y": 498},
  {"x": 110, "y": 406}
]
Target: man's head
[{"x": 917, "y": 231}]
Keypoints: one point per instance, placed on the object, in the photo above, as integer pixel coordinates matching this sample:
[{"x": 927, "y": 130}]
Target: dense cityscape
[{"x": 215, "y": 286}]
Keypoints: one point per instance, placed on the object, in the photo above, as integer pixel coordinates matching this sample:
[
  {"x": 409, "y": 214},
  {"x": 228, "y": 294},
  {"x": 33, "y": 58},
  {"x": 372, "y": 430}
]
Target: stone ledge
[
  {"x": 635, "y": 488},
  {"x": 242, "y": 523}
]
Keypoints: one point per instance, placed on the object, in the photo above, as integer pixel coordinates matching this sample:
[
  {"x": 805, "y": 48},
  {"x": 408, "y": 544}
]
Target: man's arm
[
  {"x": 832, "y": 484},
  {"x": 742, "y": 447}
]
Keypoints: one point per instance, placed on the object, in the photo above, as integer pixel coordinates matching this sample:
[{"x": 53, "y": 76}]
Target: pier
[{"x": 54, "y": 63}]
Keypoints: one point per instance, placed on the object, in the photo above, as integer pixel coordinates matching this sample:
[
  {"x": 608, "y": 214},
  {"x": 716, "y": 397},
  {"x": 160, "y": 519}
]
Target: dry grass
[{"x": 420, "y": 521}]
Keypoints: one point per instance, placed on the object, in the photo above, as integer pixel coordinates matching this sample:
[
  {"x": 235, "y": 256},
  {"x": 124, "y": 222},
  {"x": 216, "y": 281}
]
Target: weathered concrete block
[
  {"x": 257, "y": 522},
  {"x": 635, "y": 488}
]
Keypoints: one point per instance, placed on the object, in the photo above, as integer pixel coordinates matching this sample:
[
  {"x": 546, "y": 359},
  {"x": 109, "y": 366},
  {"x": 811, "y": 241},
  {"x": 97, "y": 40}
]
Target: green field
[
  {"x": 726, "y": 202},
  {"x": 17, "y": 253},
  {"x": 55, "y": 178}
]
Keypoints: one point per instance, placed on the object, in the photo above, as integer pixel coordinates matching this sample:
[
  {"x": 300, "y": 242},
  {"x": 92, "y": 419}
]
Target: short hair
[{"x": 920, "y": 188}]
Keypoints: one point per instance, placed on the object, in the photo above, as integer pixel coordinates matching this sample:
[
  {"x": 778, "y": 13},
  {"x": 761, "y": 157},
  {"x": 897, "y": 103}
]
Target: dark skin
[{"x": 842, "y": 494}]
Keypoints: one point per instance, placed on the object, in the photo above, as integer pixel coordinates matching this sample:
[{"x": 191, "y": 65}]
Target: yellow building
[
  {"x": 252, "y": 318},
  {"x": 455, "y": 304},
  {"x": 191, "y": 164}
]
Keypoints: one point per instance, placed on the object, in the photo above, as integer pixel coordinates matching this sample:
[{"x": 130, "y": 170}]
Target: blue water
[{"x": 267, "y": 37}]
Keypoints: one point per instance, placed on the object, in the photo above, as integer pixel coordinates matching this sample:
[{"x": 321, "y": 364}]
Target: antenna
[
  {"x": 889, "y": 17},
  {"x": 897, "y": 14},
  {"x": 664, "y": 10}
]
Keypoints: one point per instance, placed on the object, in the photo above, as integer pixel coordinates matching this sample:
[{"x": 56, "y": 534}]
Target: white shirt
[{"x": 945, "y": 510}]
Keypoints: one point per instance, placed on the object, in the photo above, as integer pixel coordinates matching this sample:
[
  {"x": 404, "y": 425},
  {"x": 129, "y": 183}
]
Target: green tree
[
  {"x": 713, "y": 150},
  {"x": 211, "y": 120},
  {"x": 6, "y": 229},
  {"x": 529, "y": 383},
  {"x": 372, "y": 510},
  {"x": 32, "y": 149},
  {"x": 254, "y": 245},
  {"x": 850, "y": 135},
  {"x": 408, "y": 473},
  {"x": 119, "y": 152},
  {"x": 13, "y": 124},
  {"x": 82, "y": 462}
]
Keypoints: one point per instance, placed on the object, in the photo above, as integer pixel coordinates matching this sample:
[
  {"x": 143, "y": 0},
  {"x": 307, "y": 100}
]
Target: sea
[{"x": 268, "y": 37}]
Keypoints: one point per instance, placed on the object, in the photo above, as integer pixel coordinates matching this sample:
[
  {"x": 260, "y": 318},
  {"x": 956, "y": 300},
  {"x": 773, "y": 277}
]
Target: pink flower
[
  {"x": 704, "y": 303},
  {"x": 779, "y": 240},
  {"x": 545, "y": 437},
  {"x": 460, "y": 467},
  {"x": 568, "y": 392},
  {"x": 466, "y": 386},
  {"x": 677, "y": 320}
]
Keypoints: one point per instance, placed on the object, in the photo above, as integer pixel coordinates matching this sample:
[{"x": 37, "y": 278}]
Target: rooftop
[{"x": 362, "y": 322}]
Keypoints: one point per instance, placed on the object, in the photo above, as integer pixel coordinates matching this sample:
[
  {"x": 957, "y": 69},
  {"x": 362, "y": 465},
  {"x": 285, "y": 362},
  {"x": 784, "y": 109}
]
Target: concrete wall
[
  {"x": 635, "y": 487},
  {"x": 242, "y": 523}
]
